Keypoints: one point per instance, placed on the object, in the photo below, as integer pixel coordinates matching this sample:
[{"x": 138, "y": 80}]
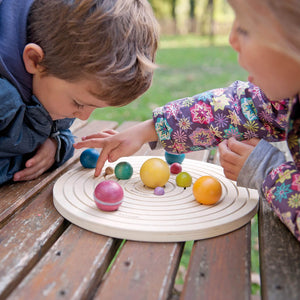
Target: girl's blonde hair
[
  {"x": 275, "y": 22},
  {"x": 110, "y": 42}
]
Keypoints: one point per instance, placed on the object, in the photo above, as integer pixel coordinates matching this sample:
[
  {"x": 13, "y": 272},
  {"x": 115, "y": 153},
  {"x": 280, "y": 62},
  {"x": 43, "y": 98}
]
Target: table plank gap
[{"x": 142, "y": 271}]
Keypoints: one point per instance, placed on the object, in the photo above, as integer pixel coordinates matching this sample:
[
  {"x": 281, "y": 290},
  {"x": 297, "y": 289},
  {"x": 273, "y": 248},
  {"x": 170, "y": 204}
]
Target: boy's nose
[{"x": 233, "y": 38}]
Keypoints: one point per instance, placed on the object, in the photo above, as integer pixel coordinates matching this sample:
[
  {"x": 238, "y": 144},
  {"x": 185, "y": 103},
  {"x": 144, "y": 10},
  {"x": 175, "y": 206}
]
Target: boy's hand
[
  {"x": 39, "y": 163},
  {"x": 115, "y": 145},
  {"x": 233, "y": 155}
]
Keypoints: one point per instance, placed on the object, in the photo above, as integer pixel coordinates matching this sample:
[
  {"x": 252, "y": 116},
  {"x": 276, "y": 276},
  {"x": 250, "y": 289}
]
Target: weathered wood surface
[
  {"x": 142, "y": 271},
  {"x": 279, "y": 258},
  {"x": 219, "y": 268},
  {"x": 71, "y": 269},
  {"x": 43, "y": 256}
]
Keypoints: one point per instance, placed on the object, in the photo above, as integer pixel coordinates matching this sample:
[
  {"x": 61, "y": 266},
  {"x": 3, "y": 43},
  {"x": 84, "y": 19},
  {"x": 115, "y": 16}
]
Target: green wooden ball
[{"x": 123, "y": 170}]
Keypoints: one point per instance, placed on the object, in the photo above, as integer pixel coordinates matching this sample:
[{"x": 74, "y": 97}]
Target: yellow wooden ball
[{"x": 155, "y": 172}]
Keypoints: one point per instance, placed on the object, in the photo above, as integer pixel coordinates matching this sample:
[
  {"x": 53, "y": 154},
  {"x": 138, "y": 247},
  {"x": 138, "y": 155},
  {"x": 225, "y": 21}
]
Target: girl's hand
[
  {"x": 115, "y": 145},
  {"x": 233, "y": 155},
  {"x": 39, "y": 163}
]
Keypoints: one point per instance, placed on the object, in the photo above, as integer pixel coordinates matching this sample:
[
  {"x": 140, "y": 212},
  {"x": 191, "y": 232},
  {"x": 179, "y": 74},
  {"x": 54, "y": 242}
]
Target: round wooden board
[{"x": 175, "y": 216}]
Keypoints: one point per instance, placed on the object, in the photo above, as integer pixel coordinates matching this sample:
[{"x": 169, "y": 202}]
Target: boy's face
[
  {"x": 64, "y": 99},
  {"x": 276, "y": 73}
]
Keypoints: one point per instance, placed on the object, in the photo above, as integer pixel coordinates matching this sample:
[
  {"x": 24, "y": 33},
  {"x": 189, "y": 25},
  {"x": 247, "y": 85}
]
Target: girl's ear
[{"x": 32, "y": 56}]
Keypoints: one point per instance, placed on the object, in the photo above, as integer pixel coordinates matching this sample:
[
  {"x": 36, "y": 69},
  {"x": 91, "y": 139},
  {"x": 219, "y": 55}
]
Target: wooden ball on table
[
  {"x": 174, "y": 157},
  {"x": 89, "y": 157},
  {"x": 123, "y": 170},
  {"x": 108, "y": 195}
]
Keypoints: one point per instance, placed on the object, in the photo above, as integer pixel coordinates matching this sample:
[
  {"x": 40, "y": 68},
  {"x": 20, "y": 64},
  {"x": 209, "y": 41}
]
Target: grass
[{"x": 188, "y": 65}]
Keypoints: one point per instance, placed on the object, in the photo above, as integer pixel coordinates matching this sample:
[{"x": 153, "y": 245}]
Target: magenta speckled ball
[{"x": 108, "y": 195}]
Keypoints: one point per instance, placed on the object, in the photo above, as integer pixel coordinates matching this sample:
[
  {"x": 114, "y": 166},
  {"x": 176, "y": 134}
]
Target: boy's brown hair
[{"x": 110, "y": 42}]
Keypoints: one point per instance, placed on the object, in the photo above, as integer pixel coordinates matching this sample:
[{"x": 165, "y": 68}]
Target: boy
[{"x": 60, "y": 60}]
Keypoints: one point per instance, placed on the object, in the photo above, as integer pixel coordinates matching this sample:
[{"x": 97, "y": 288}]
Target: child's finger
[
  {"x": 118, "y": 152},
  {"x": 30, "y": 162},
  {"x": 251, "y": 142},
  {"x": 239, "y": 148},
  {"x": 91, "y": 143},
  {"x": 100, "y": 163},
  {"x": 226, "y": 152},
  {"x": 102, "y": 134},
  {"x": 223, "y": 146},
  {"x": 28, "y": 173},
  {"x": 110, "y": 131}
]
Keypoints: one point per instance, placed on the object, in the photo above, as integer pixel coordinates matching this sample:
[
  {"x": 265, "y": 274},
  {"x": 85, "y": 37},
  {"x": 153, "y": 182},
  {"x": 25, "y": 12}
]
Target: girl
[{"x": 266, "y": 36}]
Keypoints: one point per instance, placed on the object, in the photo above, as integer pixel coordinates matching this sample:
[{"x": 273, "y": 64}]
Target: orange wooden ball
[{"x": 207, "y": 190}]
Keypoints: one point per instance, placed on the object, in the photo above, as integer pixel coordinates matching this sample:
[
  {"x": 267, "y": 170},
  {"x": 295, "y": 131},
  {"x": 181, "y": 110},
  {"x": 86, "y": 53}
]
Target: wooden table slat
[
  {"x": 279, "y": 257},
  {"x": 71, "y": 269},
  {"x": 219, "y": 268},
  {"x": 26, "y": 238},
  {"x": 142, "y": 271}
]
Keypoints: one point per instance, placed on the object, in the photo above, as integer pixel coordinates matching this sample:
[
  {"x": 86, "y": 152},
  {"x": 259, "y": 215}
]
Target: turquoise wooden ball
[{"x": 172, "y": 158}]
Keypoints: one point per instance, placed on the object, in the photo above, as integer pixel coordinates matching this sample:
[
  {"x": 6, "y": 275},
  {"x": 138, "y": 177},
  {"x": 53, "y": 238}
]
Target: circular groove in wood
[{"x": 173, "y": 217}]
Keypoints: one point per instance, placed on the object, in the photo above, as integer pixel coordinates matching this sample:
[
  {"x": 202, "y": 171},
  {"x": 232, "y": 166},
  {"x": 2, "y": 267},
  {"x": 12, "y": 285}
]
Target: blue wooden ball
[
  {"x": 172, "y": 158},
  {"x": 89, "y": 157}
]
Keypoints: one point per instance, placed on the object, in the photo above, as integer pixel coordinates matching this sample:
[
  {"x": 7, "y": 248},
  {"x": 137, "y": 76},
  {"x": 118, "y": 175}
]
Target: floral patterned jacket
[{"x": 241, "y": 111}]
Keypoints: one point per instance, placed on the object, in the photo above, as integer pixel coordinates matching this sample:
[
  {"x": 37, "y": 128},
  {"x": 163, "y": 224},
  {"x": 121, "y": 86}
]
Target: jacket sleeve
[
  {"x": 19, "y": 123},
  {"x": 65, "y": 140},
  {"x": 24, "y": 127},
  {"x": 203, "y": 121},
  {"x": 18, "y": 134},
  {"x": 276, "y": 180}
]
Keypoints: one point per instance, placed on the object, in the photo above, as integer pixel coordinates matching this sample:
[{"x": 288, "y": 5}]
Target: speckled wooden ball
[
  {"x": 175, "y": 168},
  {"x": 108, "y": 195},
  {"x": 123, "y": 170},
  {"x": 159, "y": 191},
  {"x": 173, "y": 157},
  {"x": 89, "y": 157},
  {"x": 108, "y": 171}
]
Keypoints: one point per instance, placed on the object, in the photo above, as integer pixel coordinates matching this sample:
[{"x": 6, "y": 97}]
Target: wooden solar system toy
[{"x": 155, "y": 207}]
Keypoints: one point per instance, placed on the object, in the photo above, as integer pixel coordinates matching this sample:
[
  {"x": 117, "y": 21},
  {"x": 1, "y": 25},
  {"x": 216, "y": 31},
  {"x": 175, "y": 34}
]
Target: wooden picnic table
[{"x": 43, "y": 256}]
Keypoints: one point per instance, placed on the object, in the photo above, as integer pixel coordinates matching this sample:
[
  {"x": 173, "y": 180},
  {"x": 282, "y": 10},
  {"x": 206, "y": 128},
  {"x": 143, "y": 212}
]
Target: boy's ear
[{"x": 32, "y": 56}]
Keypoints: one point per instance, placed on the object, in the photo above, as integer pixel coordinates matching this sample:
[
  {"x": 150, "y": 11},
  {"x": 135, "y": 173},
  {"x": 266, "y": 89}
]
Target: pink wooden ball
[{"x": 108, "y": 195}]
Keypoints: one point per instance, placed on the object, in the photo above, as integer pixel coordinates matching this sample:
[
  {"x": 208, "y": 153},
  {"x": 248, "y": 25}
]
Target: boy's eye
[
  {"x": 79, "y": 106},
  {"x": 242, "y": 31}
]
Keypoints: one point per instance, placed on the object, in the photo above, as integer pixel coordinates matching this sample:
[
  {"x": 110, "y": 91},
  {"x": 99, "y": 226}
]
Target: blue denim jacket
[
  {"x": 23, "y": 127},
  {"x": 24, "y": 123}
]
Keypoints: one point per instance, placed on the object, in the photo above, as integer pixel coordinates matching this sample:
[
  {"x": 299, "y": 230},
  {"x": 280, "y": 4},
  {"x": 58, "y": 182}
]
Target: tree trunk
[
  {"x": 207, "y": 21},
  {"x": 173, "y": 12},
  {"x": 192, "y": 28}
]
